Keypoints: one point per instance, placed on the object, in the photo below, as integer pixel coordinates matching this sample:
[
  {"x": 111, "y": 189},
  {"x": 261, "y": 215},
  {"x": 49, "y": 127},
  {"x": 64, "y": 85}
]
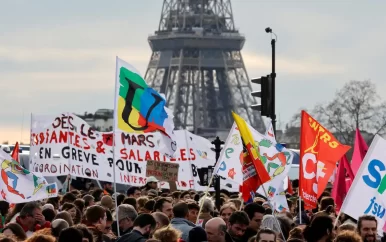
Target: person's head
[
  {"x": 134, "y": 192},
  {"x": 14, "y": 229},
  {"x": 57, "y": 226},
  {"x": 107, "y": 202},
  {"x": 167, "y": 234},
  {"x": 165, "y": 206},
  {"x": 161, "y": 219},
  {"x": 76, "y": 215},
  {"x": 197, "y": 234},
  {"x": 41, "y": 238},
  {"x": 87, "y": 235},
  {"x": 145, "y": 224},
  {"x": 215, "y": 229},
  {"x": 266, "y": 235},
  {"x": 226, "y": 211},
  {"x": 126, "y": 216},
  {"x": 255, "y": 213},
  {"x": 29, "y": 213},
  {"x": 131, "y": 201},
  {"x": 152, "y": 182},
  {"x": 325, "y": 202},
  {"x": 65, "y": 216},
  {"x": 347, "y": 235},
  {"x": 4, "y": 238},
  {"x": 88, "y": 201},
  {"x": 96, "y": 215},
  {"x": 108, "y": 186},
  {"x": 71, "y": 234},
  {"x": 185, "y": 195},
  {"x": 49, "y": 214},
  {"x": 347, "y": 226},
  {"x": 321, "y": 227},
  {"x": 148, "y": 207},
  {"x": 207, "y": 204},
  {"x": 367, "y": 227},
  {"x": 97, "y": 194},
  {"x": 237, "y": 202},
  {"x": 181, "y": 210},
  {"x": 237, "y": 224},
  {"x": 141, "y": 201},
  {"x": 68, "y": 198},
  {"x": 79, "y": 203},
  {"x": 193, "y": 212}
]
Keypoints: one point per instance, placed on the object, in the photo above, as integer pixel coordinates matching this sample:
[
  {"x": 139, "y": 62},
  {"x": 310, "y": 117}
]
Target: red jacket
[{"x": 37, "y": 226}]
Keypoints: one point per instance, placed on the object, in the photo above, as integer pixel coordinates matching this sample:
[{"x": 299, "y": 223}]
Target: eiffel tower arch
[{"x": 196, "y": 62}]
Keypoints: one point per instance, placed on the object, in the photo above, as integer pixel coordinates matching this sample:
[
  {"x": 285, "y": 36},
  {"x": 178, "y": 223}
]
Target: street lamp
[{"x": 273, "y": 77}]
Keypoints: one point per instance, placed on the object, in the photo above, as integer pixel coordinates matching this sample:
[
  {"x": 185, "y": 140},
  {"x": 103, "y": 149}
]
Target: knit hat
[{"x": 197, "y": 234}]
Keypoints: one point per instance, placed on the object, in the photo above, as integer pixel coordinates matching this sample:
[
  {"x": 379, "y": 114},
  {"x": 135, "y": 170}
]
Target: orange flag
[
  {"x": 319, "y": 152},
  {"x": 15, "y": 152}
]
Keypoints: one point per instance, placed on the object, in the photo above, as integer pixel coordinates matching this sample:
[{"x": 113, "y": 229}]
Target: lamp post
[{"x": 273, "y": 76}]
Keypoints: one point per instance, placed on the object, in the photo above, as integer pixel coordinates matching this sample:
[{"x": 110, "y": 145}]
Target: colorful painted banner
[
  {"x": 68, "y": 145},
  {"x": 276, "y": 159},
  {"x": 18, "y": 185},
  {"x": 369, "y": 186},
  {"x": 140, "y": 109}
]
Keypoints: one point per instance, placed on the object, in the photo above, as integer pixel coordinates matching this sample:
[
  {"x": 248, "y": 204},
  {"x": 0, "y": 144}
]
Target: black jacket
[{"x": 133, "y": 236}]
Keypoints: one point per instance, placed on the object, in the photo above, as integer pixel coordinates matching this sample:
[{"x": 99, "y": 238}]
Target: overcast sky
[{"x": 58, "y": 56}]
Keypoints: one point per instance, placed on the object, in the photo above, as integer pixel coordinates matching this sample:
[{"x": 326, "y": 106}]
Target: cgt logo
[
  {"x": 374, "y": 179},
  {"x": 309, "y": 175}
]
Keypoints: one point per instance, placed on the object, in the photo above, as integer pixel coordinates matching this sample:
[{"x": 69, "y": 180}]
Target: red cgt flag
[{"x": 319, "y": 152}]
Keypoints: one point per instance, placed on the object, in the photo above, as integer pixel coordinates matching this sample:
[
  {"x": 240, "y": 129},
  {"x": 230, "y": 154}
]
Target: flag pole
[{"x": 114, "y": 130}]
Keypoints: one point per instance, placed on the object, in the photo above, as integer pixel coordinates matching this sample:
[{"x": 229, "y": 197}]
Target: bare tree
[
  {"x": 6, "y": 142},
  {"x": 356, "y": 105}
]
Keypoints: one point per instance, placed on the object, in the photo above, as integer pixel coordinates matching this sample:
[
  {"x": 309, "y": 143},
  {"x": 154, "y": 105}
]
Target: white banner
[
  {"x": 18, "y": 185},
  {"x": 369, "y": 185}
]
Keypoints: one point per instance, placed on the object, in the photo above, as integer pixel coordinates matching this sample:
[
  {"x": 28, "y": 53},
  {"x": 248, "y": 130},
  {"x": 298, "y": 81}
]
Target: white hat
[{"x": 151, "y": 179}]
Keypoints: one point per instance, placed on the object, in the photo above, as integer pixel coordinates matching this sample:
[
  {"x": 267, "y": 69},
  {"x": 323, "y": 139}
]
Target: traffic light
[{"x": 265, "y": 95}]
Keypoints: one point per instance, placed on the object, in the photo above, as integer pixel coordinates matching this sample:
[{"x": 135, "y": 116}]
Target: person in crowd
[
  {"x": 108, "y": 230},
  {"x": 255, "y": 213},
  {"x": 96, "y": 221},
  {"x": 41, "y": 238},
  {"x": 4, "y": 209},
  {"x": 144, "y": 225},
  {"x": 141, "y": 202},
  {"x": 180, "y": 220},
  {"x": 133, "y": 192},
  {"x": 80, "y": 204},
  {"x": 107, "y": 202},
  {"x": 167, "y": 234},
  {"x": 65, "y": 216},
  {"x": 57, "y": 226},
  {"x": 88, "y": 201},
  {"x": 367, "y": 228},
  {"x": 70, "y": 234},
  {"x": 126, "y": 217},
  {"x": 131, "y": 201},
  {"x": 97, "y": 194},
  {"x": 237, "y": 225},
  {"x": 237, "y": 202},
  {"x": 14, "y": 213},
  {"x": 108, "y": 188},
  {"x": 161, "y": 220},
  {"x": 31, "y": 218},
  {"x": 185, "y": 195},
  {"x": 87, "y": 235},
  {"x": 226, "y": 211},
  {"x": 193, "y": 212},
  {"x": 48, "y": 213},
  {"x": 151, "y": 183},
  {"x": 76, "y": 215},
  {"x": 266, "y": 235},
  {"x": 68, "y": 198},
  {"x": 296, "y": 233},
  {"x": 347, "y": 226},
  {"x": 165, "y": 206},
  {"x": 320, "y": 229},
  {"x": 14, "y": 229},
  {"x": 216, "y": 231},
  {"x": 208, "y": 206},
  {"x": 197, "y": 234},
  {"x": 349, "y": 236}
]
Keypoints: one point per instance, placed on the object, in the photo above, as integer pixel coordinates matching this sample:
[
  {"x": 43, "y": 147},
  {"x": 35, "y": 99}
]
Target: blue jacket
[{"x": 184, "y": 226}]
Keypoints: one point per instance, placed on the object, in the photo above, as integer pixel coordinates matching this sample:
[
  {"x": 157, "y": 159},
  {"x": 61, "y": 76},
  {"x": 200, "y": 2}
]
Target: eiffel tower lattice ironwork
[{"x": 196, "y": 62}]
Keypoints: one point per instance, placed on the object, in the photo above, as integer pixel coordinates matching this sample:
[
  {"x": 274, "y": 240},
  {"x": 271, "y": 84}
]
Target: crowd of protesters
[{"x": 151, "y": 214}]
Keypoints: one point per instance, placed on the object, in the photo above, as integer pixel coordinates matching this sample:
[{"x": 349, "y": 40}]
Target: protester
[
  {"x": 144, "y": 225},
  {"x": 180, "y": 220}
]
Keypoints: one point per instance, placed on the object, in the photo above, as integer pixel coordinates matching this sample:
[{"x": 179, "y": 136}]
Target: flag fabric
[
  {"x": 340, "y": 189},
  {"x": 369, "y": 185},
  {"x": 141, "y": 109},
  {"x": 360, "y": 149},
  {"x": 18, "y": 185},
  {"x": 319, "y": 152},
  {"x": 269, "y": 133},
  {"x": 15, "y": 152},
  {"x": 250, "y": 146},
  {"x": 290, "y": 190}
]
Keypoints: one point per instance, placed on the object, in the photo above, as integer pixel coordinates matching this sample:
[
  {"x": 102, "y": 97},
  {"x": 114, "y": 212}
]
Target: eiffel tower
[{"x": 196, "y": 62}]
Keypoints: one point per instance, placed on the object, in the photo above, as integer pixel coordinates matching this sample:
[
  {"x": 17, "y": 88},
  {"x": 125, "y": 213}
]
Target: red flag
[
  {"x": 319, "y": 152},
  {"x": 340, "y": 189},
  {"x": 15, "y": 152},
  {"x": 360, "y": 150}
]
